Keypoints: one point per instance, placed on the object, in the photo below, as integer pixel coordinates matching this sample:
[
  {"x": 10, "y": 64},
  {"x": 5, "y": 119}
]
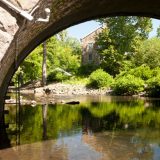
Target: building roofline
[{"x": 91, "y": 33}]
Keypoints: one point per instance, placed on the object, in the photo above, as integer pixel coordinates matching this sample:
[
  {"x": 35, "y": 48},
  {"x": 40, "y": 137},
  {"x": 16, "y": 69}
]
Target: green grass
[{"x": 77, "y": 80}]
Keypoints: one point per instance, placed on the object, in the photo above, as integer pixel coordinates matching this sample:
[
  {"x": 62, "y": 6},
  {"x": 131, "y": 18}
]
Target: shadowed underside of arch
[{"x": 26, "y": 35}]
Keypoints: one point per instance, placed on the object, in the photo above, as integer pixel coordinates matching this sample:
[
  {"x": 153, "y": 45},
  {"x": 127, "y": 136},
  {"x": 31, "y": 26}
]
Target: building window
[
  {"x": 90, "y": 57},
  {"x": 90, "y": 46},
  {"x": 99, "y": 46}
]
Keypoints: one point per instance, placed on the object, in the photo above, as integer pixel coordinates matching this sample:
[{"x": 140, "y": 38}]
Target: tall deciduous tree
[
  {"x": 44, "y": 65},
  {"x": 32, "y": 65},
  {"x": 148, "y": 53},
  {"x": 62, "y": 51},
  {"x": 121, "y": 38}
]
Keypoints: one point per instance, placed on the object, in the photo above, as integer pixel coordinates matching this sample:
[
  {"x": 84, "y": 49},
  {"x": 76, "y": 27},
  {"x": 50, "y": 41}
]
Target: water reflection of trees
[
  {"x": 47, "y": 122},
  {"x": 65, "y": 120},
  {"x": 125, "y": 115}
]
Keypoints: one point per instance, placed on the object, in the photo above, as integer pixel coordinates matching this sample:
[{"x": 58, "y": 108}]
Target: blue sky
[{"x": 81, "y": 30}]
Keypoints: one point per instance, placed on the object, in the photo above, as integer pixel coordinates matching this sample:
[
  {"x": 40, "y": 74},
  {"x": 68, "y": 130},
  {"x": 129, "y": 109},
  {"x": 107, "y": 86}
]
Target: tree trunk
[{"x": 44, "y": 65}]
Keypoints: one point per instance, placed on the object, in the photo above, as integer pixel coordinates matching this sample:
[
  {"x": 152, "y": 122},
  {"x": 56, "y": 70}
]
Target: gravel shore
[
  {"x": 37, "y": 94},
  {"x": 69, "y": 89}
]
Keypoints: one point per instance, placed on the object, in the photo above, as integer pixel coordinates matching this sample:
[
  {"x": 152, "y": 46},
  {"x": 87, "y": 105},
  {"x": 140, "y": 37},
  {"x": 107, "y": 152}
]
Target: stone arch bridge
[{"x": 19, "y": 36}]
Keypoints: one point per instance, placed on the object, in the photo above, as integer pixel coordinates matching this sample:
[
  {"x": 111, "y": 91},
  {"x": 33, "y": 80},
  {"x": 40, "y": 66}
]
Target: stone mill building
[{"x": 89, "y": 48}]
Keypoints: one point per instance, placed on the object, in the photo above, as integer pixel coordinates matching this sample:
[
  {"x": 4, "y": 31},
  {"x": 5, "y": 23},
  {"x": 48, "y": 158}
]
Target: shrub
[
  {"x": 77, "y": 80},
  {"x": 156, "y": 71},
  {"x": 128, "y": 85},
  {"x": 153, "y": 86},
  {"x": 99, "y": 79},
  {"x": 87, "y": 69},
  {"x": 144, "y": 72},
  {"x": 148, "y": 53},
  {"x": 55, "y": 76}
]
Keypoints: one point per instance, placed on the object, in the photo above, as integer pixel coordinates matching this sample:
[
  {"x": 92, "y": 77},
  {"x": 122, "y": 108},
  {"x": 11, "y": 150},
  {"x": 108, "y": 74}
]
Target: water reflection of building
[{"x": 115, "y": 146}]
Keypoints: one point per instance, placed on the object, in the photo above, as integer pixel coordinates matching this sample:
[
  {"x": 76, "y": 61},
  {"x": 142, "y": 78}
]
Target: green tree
[
  {"x": 120, "y": 40},
  {"x": 153, "y": 86},
  {"x": 62, "y": 51},
  {"x": 32, "y": 65},
  {"x": 64, "y": 54},
  {"x": 44, "y": 67},
  {"x": 148, "y": 53}
]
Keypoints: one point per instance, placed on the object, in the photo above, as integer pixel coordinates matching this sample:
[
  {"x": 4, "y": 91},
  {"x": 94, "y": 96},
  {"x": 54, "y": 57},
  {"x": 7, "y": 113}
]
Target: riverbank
[
  {"x": 69, "y": 89},
  {"x": 34, "y": 94}
]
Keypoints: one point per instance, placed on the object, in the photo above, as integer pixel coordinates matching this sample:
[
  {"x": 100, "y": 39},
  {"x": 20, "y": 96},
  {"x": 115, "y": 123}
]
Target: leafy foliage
[
  {"x": 144, "y": 72},
  {"x": 61, "y": 54},
  {"x": 62, "y": 51},
  {"x": 156, "y": 71},
  {"x": 153, "y": 86},
  {"x": 110, "y": 58},
  {"x": 99, "y": 79},
  {"x": 87, "y": 69},
  {"x": 77, "y": 80},
  {"x": 128, "y": 85},
  {"x": 55, "y": 76},
  {"x": 148, "y": 53},
  {"x": 125, "y": 31},
  {"x": 122, "y": 37},
  {"x": 31, "y": 68}
]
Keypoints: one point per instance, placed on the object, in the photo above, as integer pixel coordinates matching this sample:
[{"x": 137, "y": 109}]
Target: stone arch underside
[{"x": 18, "y": 37}]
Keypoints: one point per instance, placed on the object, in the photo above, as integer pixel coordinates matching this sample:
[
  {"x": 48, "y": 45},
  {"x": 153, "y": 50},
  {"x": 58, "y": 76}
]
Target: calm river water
[{"x": 99, "y": 128}]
